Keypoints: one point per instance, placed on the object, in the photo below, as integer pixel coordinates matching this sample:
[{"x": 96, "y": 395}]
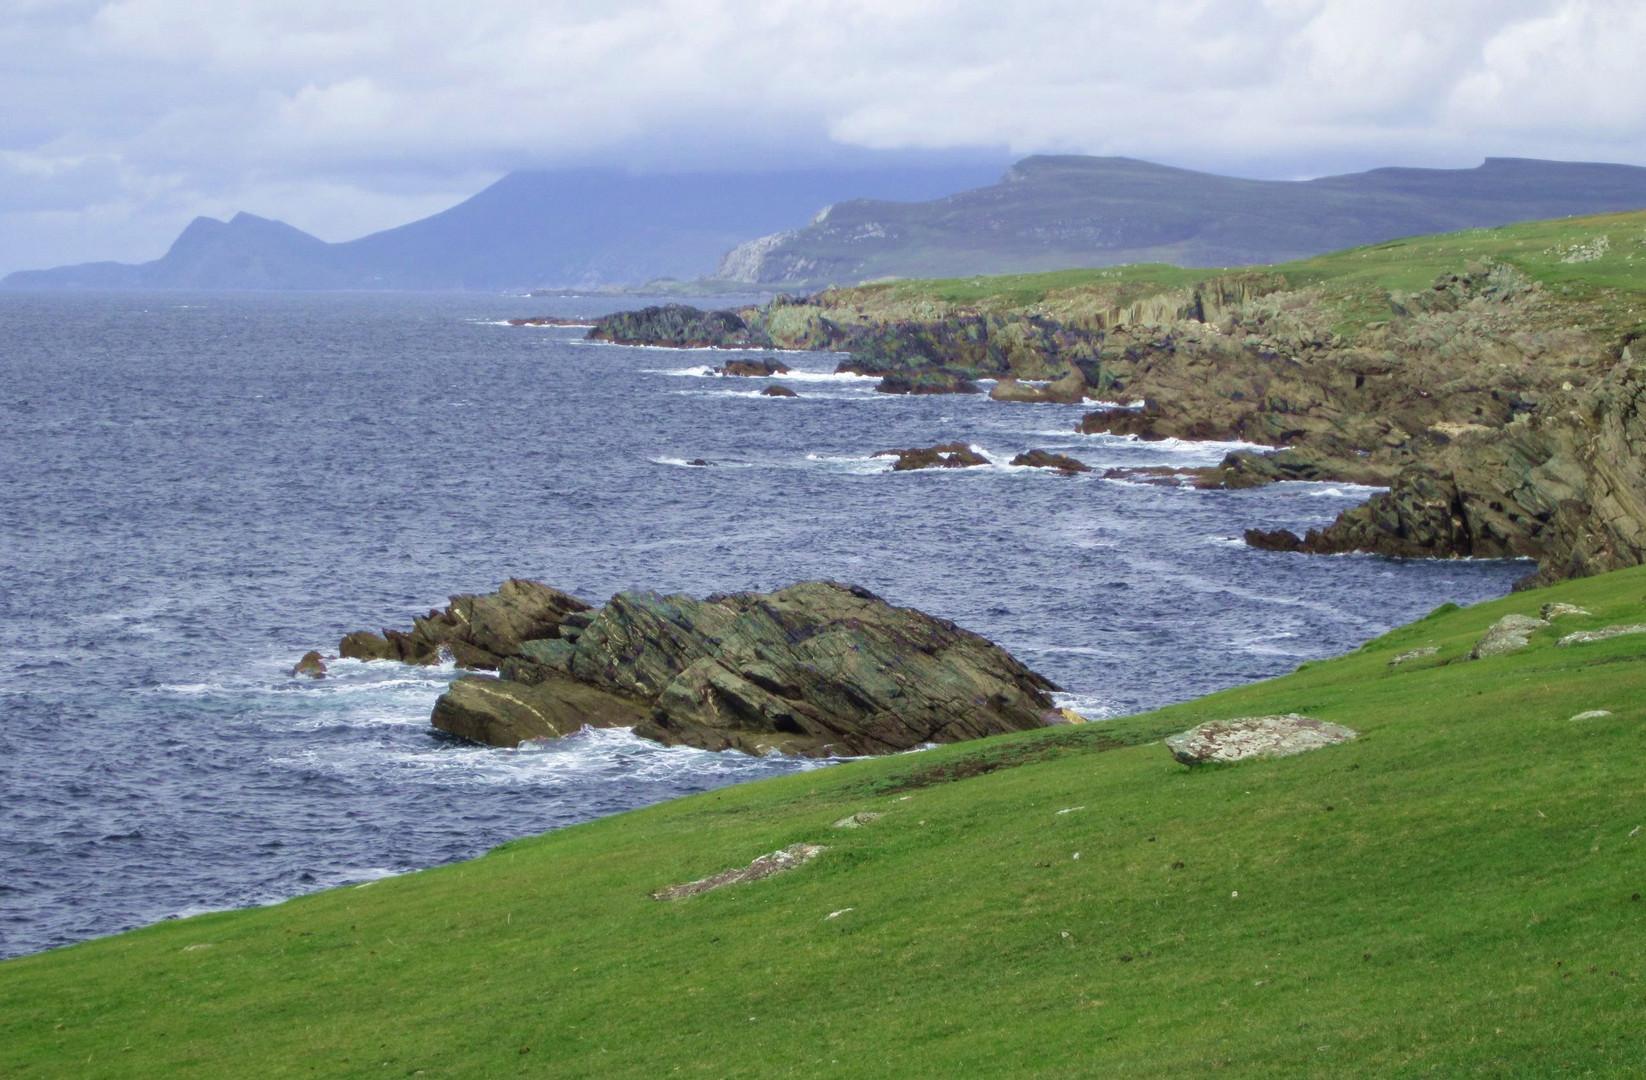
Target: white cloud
[{"x": 329, "y": 112}]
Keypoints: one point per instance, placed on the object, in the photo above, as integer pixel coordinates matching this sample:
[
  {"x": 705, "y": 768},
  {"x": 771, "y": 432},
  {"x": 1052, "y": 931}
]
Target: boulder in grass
[
  {"x": 1255, "y": 737},
  {"x": 1509, "y": 634}
]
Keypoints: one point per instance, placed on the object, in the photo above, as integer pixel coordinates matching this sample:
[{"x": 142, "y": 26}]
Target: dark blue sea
[{"x": 195, "y": 489}]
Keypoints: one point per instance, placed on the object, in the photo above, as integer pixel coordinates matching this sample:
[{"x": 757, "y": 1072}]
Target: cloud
[{"x": 336, "y": 114}]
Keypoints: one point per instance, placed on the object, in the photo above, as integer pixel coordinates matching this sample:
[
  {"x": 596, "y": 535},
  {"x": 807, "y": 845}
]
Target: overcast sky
[{"x": 123, "y": 120}]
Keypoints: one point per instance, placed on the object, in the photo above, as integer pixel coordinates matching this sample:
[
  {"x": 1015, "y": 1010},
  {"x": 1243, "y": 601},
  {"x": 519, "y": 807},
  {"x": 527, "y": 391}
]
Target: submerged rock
[
  {"x": 817, "y": 669},
  {"x": 479, "y": 630},
  {"x": 954, "y": 455},
  {"x": 777, "y": 390},
  {"x": 1509, "y": 634},
  {"x": 1255, "y": 736}
]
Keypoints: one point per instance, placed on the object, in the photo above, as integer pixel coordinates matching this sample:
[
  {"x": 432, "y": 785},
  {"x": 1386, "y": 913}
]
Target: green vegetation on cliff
[{"x": 1457, "y": 892}]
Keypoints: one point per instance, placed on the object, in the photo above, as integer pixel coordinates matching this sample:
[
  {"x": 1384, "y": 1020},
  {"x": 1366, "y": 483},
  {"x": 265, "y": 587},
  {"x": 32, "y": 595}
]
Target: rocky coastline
[
  {"x": 817, "y": 669},
  {"x": 1502, "y": 415}
]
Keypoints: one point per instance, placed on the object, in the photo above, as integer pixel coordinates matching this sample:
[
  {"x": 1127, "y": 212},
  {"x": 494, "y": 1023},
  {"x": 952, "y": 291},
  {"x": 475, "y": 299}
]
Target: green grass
[
  {"x": 1608, "y": 290},
  {"x": 1450, "y": 895}
]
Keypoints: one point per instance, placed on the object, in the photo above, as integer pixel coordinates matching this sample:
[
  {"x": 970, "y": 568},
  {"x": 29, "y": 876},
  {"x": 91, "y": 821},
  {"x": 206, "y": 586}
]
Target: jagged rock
[
  {"x": 479, "y": 630},
  {"x": 1415, "y": 654},
  {"x": 1583, "y": 637},
  {"x": 757, "y": 369},
  {"x": 826, "y": 669},
  {"x": 817, "y": 669},
  {"x": 927, "y": 382},
  {"x": 944, "y": 456},
  {"x": 1555, "y": 611},
  {"x": 1255, "y": 736},
  {"x": 779, "y": 391},
  {"x": 1509, "y": 634},
  {"x": 1068, "y": 390},
  {"x": 502, "y": 712},
  {"x": 312, "y": 664},
  {"x": 1043, "y": 459}
]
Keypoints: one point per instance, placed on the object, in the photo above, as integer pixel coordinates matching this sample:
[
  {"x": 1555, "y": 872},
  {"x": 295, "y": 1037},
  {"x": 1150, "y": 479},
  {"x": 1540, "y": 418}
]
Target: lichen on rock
[{"x": 1222, "y": 741}]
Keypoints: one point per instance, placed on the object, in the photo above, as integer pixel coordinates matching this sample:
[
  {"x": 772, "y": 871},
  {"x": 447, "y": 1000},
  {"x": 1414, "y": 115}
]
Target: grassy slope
[
  {"x": 1449, "y": 895},
  {"x": 1611, "y": 289}
]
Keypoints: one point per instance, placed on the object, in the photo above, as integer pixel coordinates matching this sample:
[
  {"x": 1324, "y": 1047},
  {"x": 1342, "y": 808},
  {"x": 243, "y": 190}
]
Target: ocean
[{"x": 196, "y": 489}]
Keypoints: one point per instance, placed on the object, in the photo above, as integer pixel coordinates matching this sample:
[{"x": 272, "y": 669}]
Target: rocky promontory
[
  {"x": 1485, "y": 379},
  {"x": 817, "y": 669}
]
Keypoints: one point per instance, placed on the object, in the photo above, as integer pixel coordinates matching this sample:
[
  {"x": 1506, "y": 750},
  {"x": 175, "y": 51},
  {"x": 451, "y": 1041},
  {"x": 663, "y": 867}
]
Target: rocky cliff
[{"x": 1487, "y": 378}]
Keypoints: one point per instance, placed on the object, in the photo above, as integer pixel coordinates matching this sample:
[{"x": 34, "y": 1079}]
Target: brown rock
[
  {"x": 757, "y": 369},
  {"x": 312, "y": 664},
  {"x": 945, "y": 456},
  {"x": 1043, "y": 459},
  {"x": 776, "y": 390}
]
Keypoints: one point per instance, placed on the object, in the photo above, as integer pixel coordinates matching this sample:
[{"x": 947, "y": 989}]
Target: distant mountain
[
  {"x": 571, "y": 227},
  {"x": 1051, "y": 213}
]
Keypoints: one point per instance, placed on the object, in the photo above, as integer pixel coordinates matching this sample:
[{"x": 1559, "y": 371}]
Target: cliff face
[{"x": 1567, "y": 487}]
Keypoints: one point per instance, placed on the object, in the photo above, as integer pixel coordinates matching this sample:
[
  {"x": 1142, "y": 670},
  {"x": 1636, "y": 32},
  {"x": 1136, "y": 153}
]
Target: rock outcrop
[
  {"x": 1045, "y": 459},
  {"x": 1067, "y": 390},
  {"x": 955, "y": 455},
  {"x": 817, "y": 669},
  {"x": 480, "y": 631},
  {"x": 1566, "y": 486},
  {"x": 312, "y": 665},
  {"x": 927, "y": 382},
  {"x": 679, "y": 326},
  {"x": 758, "y": 369},
  {"x": 778, "y": 391},
  {"x": 1255, "y": 737}
]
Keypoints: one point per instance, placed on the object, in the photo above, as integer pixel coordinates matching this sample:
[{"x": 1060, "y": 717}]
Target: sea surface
[{"x": 196, "y": 489}]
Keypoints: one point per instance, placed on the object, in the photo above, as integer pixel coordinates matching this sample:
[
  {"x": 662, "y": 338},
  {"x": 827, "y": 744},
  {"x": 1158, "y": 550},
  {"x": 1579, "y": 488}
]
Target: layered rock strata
[{"x": 817, "y": 669}]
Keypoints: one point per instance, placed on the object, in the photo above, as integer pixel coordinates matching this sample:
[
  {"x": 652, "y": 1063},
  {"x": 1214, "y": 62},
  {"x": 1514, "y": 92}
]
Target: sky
[{"x": 124, "y": 120}]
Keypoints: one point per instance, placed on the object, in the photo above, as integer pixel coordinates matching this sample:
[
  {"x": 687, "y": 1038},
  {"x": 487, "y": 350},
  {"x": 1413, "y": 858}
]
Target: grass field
[
  {"x": 1454, "y": 894},
  {"x": 1597, "y": 264}
]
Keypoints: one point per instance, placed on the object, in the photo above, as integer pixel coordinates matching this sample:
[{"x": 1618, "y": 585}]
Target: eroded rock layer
[{"x": 816, "y": 669}]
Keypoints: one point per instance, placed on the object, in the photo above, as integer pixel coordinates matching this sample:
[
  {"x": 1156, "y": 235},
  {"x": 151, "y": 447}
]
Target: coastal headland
[{"x": 1488, "y": 378}]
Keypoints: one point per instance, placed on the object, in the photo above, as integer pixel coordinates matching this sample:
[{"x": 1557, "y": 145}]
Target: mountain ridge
[
  {"x": 1051, "y": 212},
  {"x": 567, "y": 227}
]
